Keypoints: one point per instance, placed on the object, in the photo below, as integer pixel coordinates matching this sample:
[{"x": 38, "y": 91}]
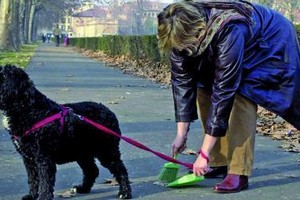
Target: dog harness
[
  {"x": 61, "y": 116},
  {"x": 66, "y": 110}
]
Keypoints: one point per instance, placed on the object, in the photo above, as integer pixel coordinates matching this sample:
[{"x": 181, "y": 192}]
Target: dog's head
[{"x": 14, "y": 83}]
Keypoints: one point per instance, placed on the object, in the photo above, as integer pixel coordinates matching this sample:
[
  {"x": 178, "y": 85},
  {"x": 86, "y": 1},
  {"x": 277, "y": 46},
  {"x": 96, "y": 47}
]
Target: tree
[
  {"x": 289, "y": 8},
  {"x": 268, "y": 3},
  {"x": 138, "y": 16},
  {"x": 23, "y": 21},
  {"x": 4, "y": 17},
  {"x": 16, "y": 18},
  {"x": 150, "y": 26},
  {"x": 14, "y": 31},
  {"x": 9, "y": 25}
]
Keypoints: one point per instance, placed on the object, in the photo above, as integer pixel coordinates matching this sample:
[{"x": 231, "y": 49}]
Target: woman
[{"x": 227, "y": 57}]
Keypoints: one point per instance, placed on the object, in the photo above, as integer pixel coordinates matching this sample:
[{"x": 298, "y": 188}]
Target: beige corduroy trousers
[{"x": 236, "y": 149}]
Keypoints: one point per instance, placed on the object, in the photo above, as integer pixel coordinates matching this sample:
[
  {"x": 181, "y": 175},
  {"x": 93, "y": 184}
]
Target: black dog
[{"x": 59, "y": 141}]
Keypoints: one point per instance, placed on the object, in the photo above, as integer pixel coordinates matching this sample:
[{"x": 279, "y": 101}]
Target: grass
[{"x": 20, "y": 58}]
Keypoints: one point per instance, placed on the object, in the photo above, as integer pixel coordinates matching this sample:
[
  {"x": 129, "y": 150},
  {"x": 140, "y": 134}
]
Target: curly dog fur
[{"x": 53, "y": 144}]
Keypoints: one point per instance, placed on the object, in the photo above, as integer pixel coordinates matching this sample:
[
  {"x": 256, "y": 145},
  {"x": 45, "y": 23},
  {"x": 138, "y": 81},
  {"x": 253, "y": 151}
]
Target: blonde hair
[{"x": 180, "y": 25}]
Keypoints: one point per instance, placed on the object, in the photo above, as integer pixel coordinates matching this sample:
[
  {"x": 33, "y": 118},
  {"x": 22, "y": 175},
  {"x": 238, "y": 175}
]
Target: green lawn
[{"x": 20, "y": 58}]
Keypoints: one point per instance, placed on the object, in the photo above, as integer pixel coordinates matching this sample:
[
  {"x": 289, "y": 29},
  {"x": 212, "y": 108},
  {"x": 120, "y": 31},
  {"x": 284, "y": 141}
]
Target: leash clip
[{"x": 79, "y": 116}]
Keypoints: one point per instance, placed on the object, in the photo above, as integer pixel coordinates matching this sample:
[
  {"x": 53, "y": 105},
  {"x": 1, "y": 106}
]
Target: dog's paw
[
  {"x": 80, "y": 189},
  {"x": 124, "y": 195},
  {"x": 27, "y": 197}
]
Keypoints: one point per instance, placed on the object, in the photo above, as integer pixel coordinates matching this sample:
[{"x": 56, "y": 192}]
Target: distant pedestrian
[
  {"x": 57, "y": 33},
  {"x": 43, "y": 38},
  {"x": 48, "y": 37},
  {"x": 66, "y": 40}
]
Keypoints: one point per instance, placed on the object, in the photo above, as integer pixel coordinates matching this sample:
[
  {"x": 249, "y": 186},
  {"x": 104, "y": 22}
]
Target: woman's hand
[
  {"x": 179, "y": 144},
  {"x": 201, "y": 166}
]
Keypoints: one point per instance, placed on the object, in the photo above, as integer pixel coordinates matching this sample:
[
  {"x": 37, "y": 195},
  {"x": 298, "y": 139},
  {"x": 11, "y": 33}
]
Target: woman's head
[{"x": 180, "y": 25}]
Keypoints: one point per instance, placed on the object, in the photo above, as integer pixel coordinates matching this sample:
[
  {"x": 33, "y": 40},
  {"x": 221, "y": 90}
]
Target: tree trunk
[
  {"x": 22, "y": 10},
  {"x": 4, "y": 24},
  {"x": 33, "y": 21},
  {"x": 30, "y": 22},
  {"x": 34, "y": 35},
  {"x": 14, "y": 31},
  {"x": 26, "y": 29},
  {"x": 9, "y": 25}
]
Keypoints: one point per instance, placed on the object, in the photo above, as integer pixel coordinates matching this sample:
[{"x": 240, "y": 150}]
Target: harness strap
[
  {"x": 61, "y": 115},
  {"x": 42, "y": 123},
  {"x": 135, "y": 143}
]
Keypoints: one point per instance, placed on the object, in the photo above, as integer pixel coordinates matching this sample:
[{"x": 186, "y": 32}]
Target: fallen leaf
[
  {"x": 112, "y": 181},
  {"x": 68, "y": 194}
]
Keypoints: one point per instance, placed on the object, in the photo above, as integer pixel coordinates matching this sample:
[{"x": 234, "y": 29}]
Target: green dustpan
[{"x": 186, "y": 180}]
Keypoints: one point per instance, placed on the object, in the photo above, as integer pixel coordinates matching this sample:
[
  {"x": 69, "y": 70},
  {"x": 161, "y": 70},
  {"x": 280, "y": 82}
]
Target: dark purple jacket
[{"x": 260, "y": 62}]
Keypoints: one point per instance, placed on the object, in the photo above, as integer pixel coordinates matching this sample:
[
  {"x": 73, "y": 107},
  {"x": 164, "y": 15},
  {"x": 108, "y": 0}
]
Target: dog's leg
[
  {"x": 115, "y": 165},
  {"x": 33, "y": 180},
  {"x": 47, "y": 172},
  {"x": 90, "y": 173}
]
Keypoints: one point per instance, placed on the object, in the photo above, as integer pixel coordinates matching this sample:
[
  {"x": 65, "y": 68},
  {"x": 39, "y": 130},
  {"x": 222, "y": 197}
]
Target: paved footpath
[{"x": 145, "y": 112}]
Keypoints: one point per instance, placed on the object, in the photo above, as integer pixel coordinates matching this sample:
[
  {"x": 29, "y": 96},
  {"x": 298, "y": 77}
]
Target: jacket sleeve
[
  {"x": 228, "y": 71},
  {"x": 183, "y": 87}
]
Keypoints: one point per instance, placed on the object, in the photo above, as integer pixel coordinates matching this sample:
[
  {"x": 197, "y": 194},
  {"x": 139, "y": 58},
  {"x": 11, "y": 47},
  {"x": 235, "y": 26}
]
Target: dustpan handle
[{"x": 135, "y": 143}]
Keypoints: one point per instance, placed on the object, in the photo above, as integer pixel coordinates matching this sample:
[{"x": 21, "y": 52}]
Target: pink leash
[
  {"x": 135, "y": 143},
  {"x": 65, "y": 111}
]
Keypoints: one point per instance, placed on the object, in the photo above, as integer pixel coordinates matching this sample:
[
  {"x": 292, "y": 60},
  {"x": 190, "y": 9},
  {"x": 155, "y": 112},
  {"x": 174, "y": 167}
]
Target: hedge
[{"x": 133, "y": 46}]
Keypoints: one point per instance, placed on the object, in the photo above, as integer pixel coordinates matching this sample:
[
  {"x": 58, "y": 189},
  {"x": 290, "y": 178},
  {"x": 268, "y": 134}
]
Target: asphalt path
[{"x": 145, "y": 112}]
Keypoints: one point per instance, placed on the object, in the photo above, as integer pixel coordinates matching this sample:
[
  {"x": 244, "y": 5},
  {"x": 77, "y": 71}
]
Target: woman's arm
[
  {"x": 179, "y": 144},
  {"x": 228, "y": 73},
  {"x": 229, "y": 52},
  {"x": 184, "y": 87},
  {"x": 201, "y": 166}
]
